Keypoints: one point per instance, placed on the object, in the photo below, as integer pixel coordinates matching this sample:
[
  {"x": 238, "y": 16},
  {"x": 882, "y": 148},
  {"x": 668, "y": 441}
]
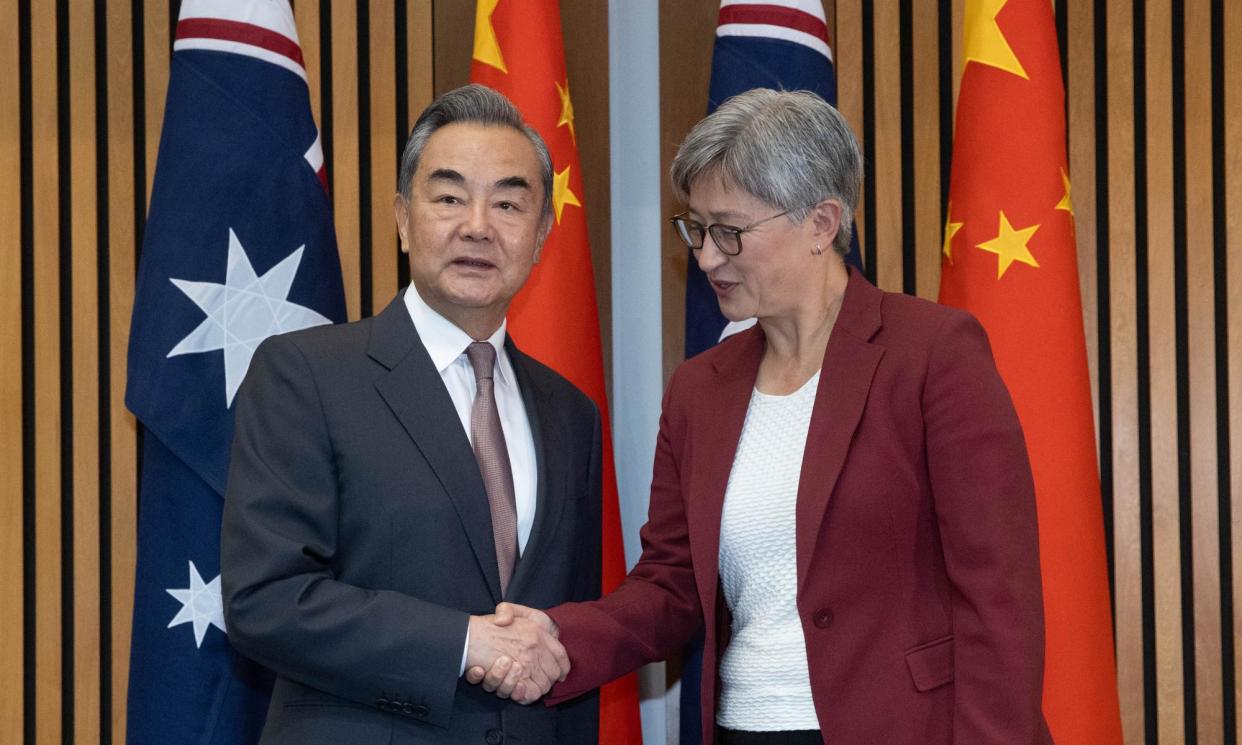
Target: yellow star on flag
[
  {"x": 567, "y": 109},
  {"x": 561, "y": 194},
  {"x": 950, "y": 230},
  {"x": 1010, "y": 246},
  {"x": 486, "y": 46},
  {"x": 1065, "y": 203},
  {"x": 983, "y": 40}
]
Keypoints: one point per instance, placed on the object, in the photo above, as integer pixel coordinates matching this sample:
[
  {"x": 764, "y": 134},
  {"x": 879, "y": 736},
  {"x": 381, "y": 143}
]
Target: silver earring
[{"x": 817, "y": 250}]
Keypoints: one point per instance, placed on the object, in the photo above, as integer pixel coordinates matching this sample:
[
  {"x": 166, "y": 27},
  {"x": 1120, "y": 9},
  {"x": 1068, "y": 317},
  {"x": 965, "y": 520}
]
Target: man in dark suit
[{"x": 394, "y": 479}]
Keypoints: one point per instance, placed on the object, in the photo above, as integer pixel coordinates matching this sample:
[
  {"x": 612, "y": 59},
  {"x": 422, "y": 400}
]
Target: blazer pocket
[{"x": 931, "y": 664}]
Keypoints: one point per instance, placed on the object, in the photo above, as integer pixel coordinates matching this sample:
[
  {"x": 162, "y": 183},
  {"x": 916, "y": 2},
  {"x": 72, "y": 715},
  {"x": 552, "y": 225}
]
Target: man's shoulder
[{"x": 552, "y": 383}]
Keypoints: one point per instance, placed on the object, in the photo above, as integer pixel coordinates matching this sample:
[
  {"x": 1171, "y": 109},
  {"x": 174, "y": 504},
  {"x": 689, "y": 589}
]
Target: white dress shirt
[{"x": 446, "y": 344}]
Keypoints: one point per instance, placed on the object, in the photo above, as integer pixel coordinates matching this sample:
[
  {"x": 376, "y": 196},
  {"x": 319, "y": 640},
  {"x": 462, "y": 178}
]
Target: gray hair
[
  {"x": 472, "y": 104},
  {"x": 790, "y": 149}
]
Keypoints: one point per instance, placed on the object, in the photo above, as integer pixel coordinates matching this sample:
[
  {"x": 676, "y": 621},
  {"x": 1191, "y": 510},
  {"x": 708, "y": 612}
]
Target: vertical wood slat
[
  {"x": 1128, "y": 598},
  {"x": 1161, "y": 371},
  {"x": 345, "y": 155},
  {"x": 47, "y": 384},
  {"x": 122, "y": 236},
  {"x": 847, "y": 61},
  {"x": 925, "y": 190},
  {"x": 85, "y": 401},
  {"x": 1202, "y": 383},
  {"x": 1233, "y": 206},
  {"x": 888, "y": 196},
  {"x": 11, "y": 694},
  {"x": 306, "y": 16},
  {"x": 419, "y": 59},
  {"x": 1080, "y": 94},
  {"x": 383, "y": 155},
  {"x": 157, "y": 57}
]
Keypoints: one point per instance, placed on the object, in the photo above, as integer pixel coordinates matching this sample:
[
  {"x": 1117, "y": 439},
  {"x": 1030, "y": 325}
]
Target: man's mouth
[{"x": 468, "y": 262}]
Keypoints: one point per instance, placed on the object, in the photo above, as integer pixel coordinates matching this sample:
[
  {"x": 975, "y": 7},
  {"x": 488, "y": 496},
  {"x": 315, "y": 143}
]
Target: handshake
[{"x": 515, "y": 654}]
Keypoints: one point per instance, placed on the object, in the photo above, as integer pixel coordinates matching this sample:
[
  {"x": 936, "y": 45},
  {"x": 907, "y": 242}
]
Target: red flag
[
  {"x": 518, "y": 51},
  {"x": 1009, "y": 258}
]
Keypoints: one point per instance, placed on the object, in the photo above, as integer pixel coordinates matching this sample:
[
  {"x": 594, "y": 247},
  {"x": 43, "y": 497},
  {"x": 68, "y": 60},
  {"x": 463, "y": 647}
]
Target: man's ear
[
  {"x": 401, "y": 211},
  {"x": 545, "y": 228},
  {"x": 826, "y": 220}
]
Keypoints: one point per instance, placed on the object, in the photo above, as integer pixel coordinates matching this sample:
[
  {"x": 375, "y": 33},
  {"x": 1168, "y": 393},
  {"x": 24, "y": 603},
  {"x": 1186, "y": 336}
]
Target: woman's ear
[{"x": 826, "y": 220}]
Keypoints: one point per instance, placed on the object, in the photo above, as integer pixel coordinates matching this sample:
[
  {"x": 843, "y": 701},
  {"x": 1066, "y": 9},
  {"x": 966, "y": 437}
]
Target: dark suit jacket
[
  {"x": 357, "y": 539},
  {"x": 917, "y": 552}
]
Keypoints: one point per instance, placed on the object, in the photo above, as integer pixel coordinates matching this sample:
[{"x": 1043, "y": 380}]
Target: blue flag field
[{"x": 239, "y": 245}]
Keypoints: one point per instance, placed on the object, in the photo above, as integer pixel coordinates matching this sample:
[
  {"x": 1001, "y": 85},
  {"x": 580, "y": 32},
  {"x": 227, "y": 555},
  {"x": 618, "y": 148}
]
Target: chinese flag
[
  {"x": 1009, "y": 258},
  {"x": 518, "y": 51}
]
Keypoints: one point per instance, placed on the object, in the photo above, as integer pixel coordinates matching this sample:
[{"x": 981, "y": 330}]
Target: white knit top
[{"x": 764, "y": 682}]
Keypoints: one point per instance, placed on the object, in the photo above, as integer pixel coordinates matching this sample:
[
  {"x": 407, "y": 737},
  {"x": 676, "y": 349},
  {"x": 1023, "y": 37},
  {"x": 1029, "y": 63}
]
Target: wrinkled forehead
[{"x": 481, "y": 155}]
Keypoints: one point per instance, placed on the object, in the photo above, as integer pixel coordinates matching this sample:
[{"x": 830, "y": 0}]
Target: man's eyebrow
[
  {"x": 446, "y": 174},
  {"x": 513, "y": 182}
]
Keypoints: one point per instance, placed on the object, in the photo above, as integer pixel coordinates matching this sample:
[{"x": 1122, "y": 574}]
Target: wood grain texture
[
  {"x": 157, "y": 55},
  {"x": 122, "y": 241},
  {"x": 11, "y": 449},
  {"x": 48, "y": 643},
  {"x": 1201, "y": 298},
  {"x": 888, "y": 186},
  {"x": 1233, "y": 226},
  {"x": 345, "y": 164},
  {"x": 1123, "y": 331},
  {"x": 85, "y": 377},
  {"x": 928, "y": 216},
  {"x": 383, "y": 155}
]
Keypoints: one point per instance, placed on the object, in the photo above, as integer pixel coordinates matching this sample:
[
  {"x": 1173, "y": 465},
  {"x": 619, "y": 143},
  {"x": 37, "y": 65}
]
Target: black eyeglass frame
[{"x": 721, "y": 233}]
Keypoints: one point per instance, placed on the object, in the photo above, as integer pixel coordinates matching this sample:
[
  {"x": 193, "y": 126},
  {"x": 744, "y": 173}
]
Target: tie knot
[{"x": 482, "y": 357}]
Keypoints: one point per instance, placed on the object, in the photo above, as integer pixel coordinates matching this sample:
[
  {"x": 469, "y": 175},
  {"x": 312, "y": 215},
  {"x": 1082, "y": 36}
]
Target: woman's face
[{"x": 769, "y": 276}]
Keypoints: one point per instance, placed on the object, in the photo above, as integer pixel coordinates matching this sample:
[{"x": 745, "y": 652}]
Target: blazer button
[
  {"x": 421, "y": 711},
  {"x": 494, "y": 737},
  {"x": 407, "y": 709},
  {"x": 822, "y": 618},
  {"x": 382, "y": 702}
]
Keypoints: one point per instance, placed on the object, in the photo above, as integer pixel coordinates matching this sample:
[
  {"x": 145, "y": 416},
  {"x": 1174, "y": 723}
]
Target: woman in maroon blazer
[{"x": 841, "y": 494}]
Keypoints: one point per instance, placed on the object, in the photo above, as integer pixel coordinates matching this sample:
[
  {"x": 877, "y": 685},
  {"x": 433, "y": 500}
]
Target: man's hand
[{"x": 515, "y": 654}]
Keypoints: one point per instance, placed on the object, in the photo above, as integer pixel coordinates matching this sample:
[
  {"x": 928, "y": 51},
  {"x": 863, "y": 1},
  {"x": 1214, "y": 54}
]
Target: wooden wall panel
[
  {"x": 46, "y": 314},
  {"x": 346, "y": 166},
  {"x": 11, "y": 419},
  {"x": 385, "y": 254},
  {"x": 1229, "y": 102}
]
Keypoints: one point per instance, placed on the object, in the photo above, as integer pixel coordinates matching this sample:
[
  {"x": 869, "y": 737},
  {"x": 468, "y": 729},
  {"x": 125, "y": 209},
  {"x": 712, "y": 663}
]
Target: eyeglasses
[{"x": 726, "y": 237}]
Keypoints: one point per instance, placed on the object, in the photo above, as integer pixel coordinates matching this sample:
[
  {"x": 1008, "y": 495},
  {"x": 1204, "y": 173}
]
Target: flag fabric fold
[
  {"x": 238, "y": 245},
  {"x": 1009, "y": 258},
  {"x": 518, "y": 50}
]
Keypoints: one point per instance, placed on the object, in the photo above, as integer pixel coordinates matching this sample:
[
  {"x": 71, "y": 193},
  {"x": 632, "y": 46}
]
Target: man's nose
[{"x": 477, "y": 225}]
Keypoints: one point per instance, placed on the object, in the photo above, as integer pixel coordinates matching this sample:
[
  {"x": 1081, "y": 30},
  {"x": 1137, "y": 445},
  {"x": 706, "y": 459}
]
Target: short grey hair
[
  {"x": 472, "y": 104},
  {"x": 791, "y": 149}
]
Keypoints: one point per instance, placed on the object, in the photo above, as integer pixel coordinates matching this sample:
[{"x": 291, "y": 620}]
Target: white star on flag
[
  {"x": 243, "y": 311},
  {"x": 200, "y": 605}
]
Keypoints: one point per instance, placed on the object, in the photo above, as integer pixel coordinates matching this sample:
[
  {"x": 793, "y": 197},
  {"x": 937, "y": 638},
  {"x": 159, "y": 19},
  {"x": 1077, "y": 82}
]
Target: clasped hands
[{"x": 515, "y": 654}]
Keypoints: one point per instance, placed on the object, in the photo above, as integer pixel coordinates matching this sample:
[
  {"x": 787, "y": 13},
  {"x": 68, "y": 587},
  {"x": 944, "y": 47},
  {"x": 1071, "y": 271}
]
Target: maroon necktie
[{"x": 493, "y": 457}]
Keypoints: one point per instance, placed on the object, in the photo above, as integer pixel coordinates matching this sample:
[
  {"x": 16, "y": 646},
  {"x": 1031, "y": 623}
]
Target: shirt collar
[{"x": 445, "y": 341}]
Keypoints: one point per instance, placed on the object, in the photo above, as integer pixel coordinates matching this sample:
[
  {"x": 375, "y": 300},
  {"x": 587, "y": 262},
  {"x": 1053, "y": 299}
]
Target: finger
[
  {"x": 561, "y": 657},
  {"x": 475, "y": 674},
  {"x": 496, "y": 674},
  {"x": 505, "y": 613},
  {"x": 515, "y": 676}
]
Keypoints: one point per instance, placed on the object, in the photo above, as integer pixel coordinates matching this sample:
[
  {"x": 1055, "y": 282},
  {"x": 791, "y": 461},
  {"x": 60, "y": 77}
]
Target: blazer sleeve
[
  {"x": 284, "y": 605},
  {"x": 656, "y": 609},
  {"x": 984, "y": 500}
]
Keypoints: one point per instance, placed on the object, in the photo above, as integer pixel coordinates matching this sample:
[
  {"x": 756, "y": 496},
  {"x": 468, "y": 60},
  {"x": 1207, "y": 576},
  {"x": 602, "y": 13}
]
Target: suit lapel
[
  {"x": 548, "y": 433},
  {"x": 716, "y": 430},
  {"x": 415, "y": 393},
  {"x": 845, "y": 379}
]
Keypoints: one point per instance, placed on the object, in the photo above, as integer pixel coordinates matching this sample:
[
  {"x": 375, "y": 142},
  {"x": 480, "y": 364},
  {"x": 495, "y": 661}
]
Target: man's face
[{"x": 474, "y": 223}]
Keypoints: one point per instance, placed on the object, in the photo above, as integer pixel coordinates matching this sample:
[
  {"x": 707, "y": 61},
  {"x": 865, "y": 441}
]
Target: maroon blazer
[{"x": 917, "y": 549}]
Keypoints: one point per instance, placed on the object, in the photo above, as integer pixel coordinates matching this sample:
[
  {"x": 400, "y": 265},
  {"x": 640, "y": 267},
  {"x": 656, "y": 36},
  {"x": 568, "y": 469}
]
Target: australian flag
[
  {"x": 239, "y": 245},
  {"x": 780, "y": 44}
]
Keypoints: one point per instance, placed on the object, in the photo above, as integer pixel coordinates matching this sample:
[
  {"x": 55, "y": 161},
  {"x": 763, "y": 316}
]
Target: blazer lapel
[
  {"x": 716, "y": 429},
  {"x": 845, "y": 379},
  {"x": 550, "y": 447},
  {"x": 414, "y": 391}
]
